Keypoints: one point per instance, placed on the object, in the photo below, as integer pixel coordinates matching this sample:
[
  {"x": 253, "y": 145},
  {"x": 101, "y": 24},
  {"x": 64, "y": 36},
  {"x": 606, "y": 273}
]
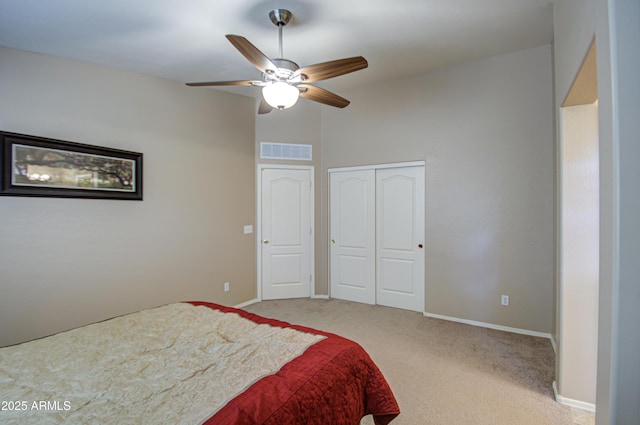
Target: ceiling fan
[{"x": 283, "y": 81}]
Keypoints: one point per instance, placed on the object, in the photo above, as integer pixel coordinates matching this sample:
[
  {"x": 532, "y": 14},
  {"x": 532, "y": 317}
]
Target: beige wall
[
  {"x": 617, "y": 38},
  {"x": 67, "y": 262},
  {"x": 579, "y": 255},
  {"x": 485, "y": 130},
  {"x": 614, "y": 23}
]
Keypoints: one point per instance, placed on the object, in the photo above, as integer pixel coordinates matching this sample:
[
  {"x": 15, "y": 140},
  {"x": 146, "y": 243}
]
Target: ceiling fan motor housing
[{"x": 285, "y": 72}]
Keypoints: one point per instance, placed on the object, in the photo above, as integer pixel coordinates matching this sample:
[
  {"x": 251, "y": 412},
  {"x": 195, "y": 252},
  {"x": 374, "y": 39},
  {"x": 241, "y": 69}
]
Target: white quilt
[{"x": 176, "y": 364}]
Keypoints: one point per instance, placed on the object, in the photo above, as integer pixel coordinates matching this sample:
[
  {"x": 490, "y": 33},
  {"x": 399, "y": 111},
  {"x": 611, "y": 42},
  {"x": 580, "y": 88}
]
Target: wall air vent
[{"x": 285, "y": 151}]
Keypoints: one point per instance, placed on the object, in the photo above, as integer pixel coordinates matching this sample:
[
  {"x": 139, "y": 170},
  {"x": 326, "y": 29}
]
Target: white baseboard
[
  {"x": 589, "y": 407},
  {"x": 246, "y": 303},
  {"x": 256, "y": 300},
  {"x": 490, "y": 326},
  {"x": 553, "y": 344}
]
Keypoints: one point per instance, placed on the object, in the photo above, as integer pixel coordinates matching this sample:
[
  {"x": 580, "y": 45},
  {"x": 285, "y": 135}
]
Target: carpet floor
[{"x": 443, "y": 373}]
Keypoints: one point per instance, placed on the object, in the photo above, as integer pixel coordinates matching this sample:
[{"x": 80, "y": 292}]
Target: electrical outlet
[
  {"x": 505, "y": 300},
  {"x": 226, "y": 287}
]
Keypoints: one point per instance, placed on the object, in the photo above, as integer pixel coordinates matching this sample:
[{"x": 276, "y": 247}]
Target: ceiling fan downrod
[{"x": 280, "y": 18}]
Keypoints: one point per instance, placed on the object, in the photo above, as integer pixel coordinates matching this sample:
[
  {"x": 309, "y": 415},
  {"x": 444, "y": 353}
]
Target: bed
[{"x": 192, "y": 363}]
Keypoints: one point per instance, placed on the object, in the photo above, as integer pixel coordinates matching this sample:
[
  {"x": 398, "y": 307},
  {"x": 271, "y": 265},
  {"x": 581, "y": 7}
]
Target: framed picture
[{"x": 36, "y": 166}]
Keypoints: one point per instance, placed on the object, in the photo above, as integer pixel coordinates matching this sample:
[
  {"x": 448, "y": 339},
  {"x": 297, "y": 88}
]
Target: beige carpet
[{"x": 443, "y": 373}]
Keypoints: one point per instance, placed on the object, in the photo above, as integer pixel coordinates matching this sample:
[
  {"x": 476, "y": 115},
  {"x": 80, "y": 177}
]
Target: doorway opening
[{"x": 579, "y": 241}]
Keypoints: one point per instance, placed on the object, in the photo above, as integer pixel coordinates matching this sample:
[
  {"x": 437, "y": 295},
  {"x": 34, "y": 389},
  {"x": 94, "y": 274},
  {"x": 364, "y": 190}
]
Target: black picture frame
[{"x": 38, "y": 166}]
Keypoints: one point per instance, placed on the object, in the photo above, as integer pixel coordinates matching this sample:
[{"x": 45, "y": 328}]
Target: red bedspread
[{"x": 333, "y": 382}]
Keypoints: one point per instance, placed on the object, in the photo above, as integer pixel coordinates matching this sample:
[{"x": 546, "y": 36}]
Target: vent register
[{"x": 270, "y": 150}]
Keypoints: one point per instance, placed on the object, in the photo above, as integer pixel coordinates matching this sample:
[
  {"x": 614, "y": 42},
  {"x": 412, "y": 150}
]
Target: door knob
[
  {"x": 419, "y": 245},
  {"x": 265, "y": 241},
  {"x": 333, "y": 241}
]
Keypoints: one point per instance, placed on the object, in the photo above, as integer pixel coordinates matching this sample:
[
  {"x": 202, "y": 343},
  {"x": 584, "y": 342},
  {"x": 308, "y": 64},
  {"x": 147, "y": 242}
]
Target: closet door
[
  {"x": 400, "y": 237},
  {"x": 352, "y": 235}
]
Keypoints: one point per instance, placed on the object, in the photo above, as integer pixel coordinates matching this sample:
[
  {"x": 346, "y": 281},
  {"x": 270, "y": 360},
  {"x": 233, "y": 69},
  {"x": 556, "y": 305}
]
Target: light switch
[{"x": 248, "y": 229}]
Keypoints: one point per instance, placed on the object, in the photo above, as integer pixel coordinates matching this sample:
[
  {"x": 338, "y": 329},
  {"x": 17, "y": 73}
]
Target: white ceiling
[{"x": 184, "y": 40}]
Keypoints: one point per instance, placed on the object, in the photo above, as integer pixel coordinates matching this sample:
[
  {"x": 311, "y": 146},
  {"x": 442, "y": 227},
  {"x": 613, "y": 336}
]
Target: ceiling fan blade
[
  {"x": 321, "y": 95},
  {"x": 226, "y": 83},
  {"x": 251, "y": 52},
  {"x": 264, "y": 107},
  {"x": 325, "y": 70}
]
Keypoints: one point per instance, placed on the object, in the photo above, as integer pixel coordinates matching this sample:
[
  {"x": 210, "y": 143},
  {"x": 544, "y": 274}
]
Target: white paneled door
[
  {"x": 352, "y": 243},
  {"x": 377, "y": 236},
  {"x": 286, "y": 233},
  {"x": 400, "y": 237}
]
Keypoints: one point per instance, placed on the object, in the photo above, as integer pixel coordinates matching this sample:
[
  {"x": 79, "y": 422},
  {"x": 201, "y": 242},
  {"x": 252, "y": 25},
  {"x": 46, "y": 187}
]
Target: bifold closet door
[
  {"x": 352, "y": 235},
  {"x": 400, "y": 237}
]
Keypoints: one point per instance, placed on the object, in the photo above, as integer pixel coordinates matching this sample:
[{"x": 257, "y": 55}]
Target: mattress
[{"x": 192, "y": 363}]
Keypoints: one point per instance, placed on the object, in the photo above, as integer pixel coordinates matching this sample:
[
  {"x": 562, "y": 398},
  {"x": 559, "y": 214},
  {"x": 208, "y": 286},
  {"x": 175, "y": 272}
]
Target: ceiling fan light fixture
[
  {"x": 280, "y": 95},
  {"x": 283, "y": 81}
]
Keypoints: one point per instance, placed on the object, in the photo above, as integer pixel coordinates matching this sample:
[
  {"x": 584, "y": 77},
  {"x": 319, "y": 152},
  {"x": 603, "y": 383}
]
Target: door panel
[
  {"x": 286, "y": 233},
  {"x": 396, "y": 276},
  {"x": 352, "y": 234},
  {"x": 286, "y": 269},
  {"x": 399, "y": 237}
]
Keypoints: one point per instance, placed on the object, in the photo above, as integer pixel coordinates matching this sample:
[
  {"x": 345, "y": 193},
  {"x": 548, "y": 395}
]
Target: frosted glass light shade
[{"x": 280, "y": 95}]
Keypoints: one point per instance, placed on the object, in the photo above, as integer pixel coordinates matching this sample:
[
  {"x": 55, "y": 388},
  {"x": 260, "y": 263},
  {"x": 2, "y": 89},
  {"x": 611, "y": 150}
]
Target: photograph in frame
[{"x": 36, "y": 166}]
